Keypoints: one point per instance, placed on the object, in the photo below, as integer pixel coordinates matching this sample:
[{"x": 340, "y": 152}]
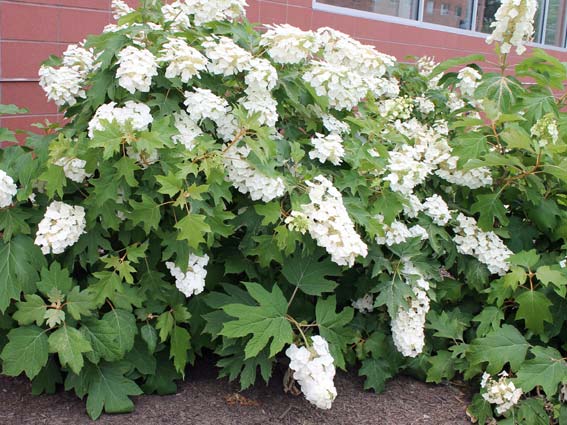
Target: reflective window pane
[
  {"x": 451, "y": 13},
  {"x": 555, "y": 22},
  {"x": 400, "y": 8}
]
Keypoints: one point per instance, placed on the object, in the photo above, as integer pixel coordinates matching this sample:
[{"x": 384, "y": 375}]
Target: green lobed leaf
[
  {"x": 504, "y": 345},
  {"x": 547, "y": 369},
  {"x": 27, "y": 351},
  {"x": 266, "y": 321},
  {"x": 69, "y": 344},
  {"x": 533, "y": 308},
  {"x": 308, "y": 273}
]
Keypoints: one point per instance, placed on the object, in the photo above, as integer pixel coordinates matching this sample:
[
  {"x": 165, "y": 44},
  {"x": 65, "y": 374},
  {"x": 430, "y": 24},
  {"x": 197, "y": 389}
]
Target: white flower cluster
[
  {"x": 65, "y": 84},
  {"x": 192, "y": 281},
  {"x": 545, "y": 129},
  {"x": 410, "y": 165},
  {"x": 226, "y": 57},
  {"x": 327, "y": 148},
  {"x": 80, "y": 59},
  {"x": 133, "y": 115},
  {"x": 264, "y": 105},
  {"x": 297, "y": 222},
  {"x": 203, "y": 103},
  {"x": 176, "y": 15},
  {"x": 409, "y": 323},
  {"x": 342, "y": 49},
  {"x": 424, "y": 105},
  {"x": 8, "y": 189},
  {"x": 364, "y": 304},
  {"x": 388, "y": 87},
  {"x": 261, "y": 76},
  {"x": 513, "y": 25},
  {"x": 502, "y": 392},
  {"x": 288, "y": 44},
  {"x": 334, "y": 125},
  {"x": 475, "y": 178},
  {"x": 314, "y": 369},
  {"x": 204, "y": 11},
  {"x": 399, "y": 108},
  {"x": 187, "y": 128},
  {"x": 487, "y": 247},
  {"x": 398, "y": 232},
  {"x": 246, "y": 179},
  {"x": 119, "y": 9},
  {"x": 61, "y": 227},
  {"x": 74, "y": 168},
  {"x": 468, "y": 80},
  {"x": 436, "y": 208},
  {"x": 343, "y": 87},
  {"x": 454, "y": 102},
  {"x": 184, "y": 61},
  {"x": 330, "y": 224},
  {"x": 136, "y": 68}
]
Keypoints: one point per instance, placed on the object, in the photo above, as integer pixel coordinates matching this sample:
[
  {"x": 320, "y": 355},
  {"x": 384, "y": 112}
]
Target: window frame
[{"x": 419, "y": 23}]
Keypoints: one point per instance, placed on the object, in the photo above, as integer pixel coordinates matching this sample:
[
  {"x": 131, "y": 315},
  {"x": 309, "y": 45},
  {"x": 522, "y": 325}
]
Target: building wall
[{"x": 31, "y": 30}]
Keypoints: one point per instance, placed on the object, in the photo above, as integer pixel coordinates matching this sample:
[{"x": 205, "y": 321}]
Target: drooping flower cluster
[
  {"x": 314, "y": 370},
  {"x": 204, "y": 104},
  {"x": 176, "y": 15},
  {"x": 425, "y": 66},
  {"x": 261, "y": 76},
  {"x": 410, "y": 165},
  {"x": 502, "y": 392},
  {"x": 474, "y": 178},
  {"x": 246, "y": 179},
  {"x": 8, "y": 189},
  {"x": 364, "y": 304},
  {"x": 468, "y": 80},
  {"x": 119, "y": 9},
  {"x": 545, "y": 129},
  {"x": 486, "y": 247},
  {"x": 327, "y": 148},
  {"x": 184, "y": 61},
  {"x": 333, "y": 125},
  {"x": 65, "y": 84},
  {"x": 74, "y": 168},
  {"x": 136, "y": 68},
  {"x": 187, "y": 128},
  {"x": 424, "y": 105},
  {"x": 61, "y": 227},
  {"x": 204, "y": 11},
  {"x": 436, "y": 208},
  {"x": 513, "y": 25},
  {"x": 342, "y": 49},
  {"x": 330, "y": 224},
  {"x": 133, "y": 115},
  {"x": 192, "y": 281},
  {"x": 409, "y": 323},
  {"x": 287, "y": 44},
  {"x": 226, "y": 57},
  {"x": 398, "y": 232},
  {"x": 343, "y": 87}
]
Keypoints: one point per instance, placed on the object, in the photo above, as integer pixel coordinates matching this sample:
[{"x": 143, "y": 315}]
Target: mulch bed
[{"x": 205, "y": 400}]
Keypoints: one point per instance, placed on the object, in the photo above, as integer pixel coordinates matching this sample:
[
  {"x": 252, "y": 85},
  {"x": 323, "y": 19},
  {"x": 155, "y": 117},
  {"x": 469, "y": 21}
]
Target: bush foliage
[{"x": 432, "y": 201}]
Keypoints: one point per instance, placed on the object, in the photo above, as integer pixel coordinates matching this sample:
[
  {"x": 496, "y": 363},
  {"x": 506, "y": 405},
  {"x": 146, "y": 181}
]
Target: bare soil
[{"x": 204, "y": 400}]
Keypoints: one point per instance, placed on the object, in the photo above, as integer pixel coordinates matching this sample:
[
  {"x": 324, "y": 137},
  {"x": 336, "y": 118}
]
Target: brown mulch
[{"x": 204, "y": 400}]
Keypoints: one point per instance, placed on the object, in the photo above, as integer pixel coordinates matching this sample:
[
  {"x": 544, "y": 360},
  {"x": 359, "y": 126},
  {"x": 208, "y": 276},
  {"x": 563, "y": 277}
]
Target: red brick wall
[{"x": 31, "y": 30}]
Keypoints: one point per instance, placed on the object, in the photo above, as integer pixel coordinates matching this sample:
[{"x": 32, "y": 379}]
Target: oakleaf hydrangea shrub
[{"x": 291, "y": 200}]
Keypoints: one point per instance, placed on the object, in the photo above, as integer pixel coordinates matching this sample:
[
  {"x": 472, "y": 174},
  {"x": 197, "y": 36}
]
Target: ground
[{"x": 204, "y": 400}]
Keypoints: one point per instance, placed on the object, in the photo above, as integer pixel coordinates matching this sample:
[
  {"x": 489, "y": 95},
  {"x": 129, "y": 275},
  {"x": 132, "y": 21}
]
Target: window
[{"x": 473, "y": 15}]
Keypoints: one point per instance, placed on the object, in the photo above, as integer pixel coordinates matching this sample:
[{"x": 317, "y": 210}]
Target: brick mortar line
[{"x": 53, "y": 6}]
